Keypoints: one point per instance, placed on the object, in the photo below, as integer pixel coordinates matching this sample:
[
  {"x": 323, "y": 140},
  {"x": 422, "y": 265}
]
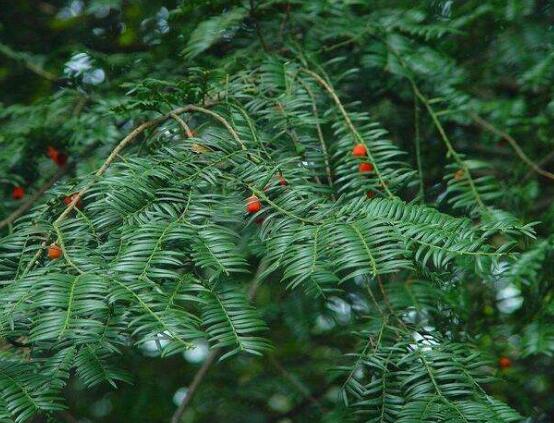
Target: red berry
[
  {"x": 282, "y": 181},
  {"x": 18, "y": 193},
  {"x": 370, "y": 194},
  {"x": 359, "y": 150},
  {"x": 59, "y": 158},
  {"x": 365, "y": 167},
  {"x": 52, "y": 153},
  {"x": 54, "y": 252},
  {"x": 253, "y": 204},
  {"x": 505, "y": 362},
  {"x": 69, "y": 198}
]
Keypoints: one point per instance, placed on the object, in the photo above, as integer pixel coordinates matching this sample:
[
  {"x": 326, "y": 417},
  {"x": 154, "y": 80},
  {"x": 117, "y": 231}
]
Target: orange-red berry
[
  {"x": 253, "y": 204},
  {"x": 69, "y": 198},
  {"x": 505, "y": 362},
  {"x": 359, "y": 150},
  {"x": 370, "y": 194},
  {"x": 54, "y": 252},
  {"x": 52, "y": 152},
  {"x": 459, "y": 175},
  {"x": 282, "y": 181},
  {"x": 365, "y": 167},
  {"x": 18, "y": 193},
  {"x": 59, "y": 158}
]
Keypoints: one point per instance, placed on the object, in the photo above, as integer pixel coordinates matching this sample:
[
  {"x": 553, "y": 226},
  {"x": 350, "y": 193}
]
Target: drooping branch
[
  {"x": 358, "y": 138},
  {"x": 483, "y": 123},
  {"x": 440, "y": 129},
  {"x": 130, "y": 138}
]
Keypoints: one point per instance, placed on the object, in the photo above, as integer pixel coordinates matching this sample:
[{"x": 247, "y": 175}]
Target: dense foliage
[{"x": 394, "y": 265}]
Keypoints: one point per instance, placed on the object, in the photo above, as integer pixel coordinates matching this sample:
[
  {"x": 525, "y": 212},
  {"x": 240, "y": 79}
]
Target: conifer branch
[
  {"x": 357, "y": 137},
  {"x": 434, "y": 117},
  {"x": 451, "y": 151},
  {"x": 320, "y": 136},
  {"x": 513, "y": 143},
  {"x": 186, "y": 128}
]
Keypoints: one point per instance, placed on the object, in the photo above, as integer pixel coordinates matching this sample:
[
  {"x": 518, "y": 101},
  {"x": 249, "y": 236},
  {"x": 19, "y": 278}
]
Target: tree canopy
[{"x": 276, "y": 211}]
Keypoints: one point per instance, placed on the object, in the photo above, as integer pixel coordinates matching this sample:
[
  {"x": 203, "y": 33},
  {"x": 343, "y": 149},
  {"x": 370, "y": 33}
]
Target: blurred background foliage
[{"x": 66, "y": 68}]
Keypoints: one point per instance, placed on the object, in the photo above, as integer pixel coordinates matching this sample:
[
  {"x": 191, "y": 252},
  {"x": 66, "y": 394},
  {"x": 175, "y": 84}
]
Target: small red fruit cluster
[
  {"x": 18, "y": 193},
  {"x": 360, "y": 150},
  {"x": 57, "y": 157},
  {"x": 54, "y": 252}
]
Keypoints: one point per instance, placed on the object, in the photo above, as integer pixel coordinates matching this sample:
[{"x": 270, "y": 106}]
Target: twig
[
  {"x": 491, "y": 128},
  {"x": 436, "y": 121},
  {"x": 217, "y": 117},
  {"x": 198, "y": 378},
  {"x": 450, "y": 148},
  {"x": 547, "y": 159},
  {"x": 20, "y": 57},
  {"x": 183, "y": 124},
  {"x": 114, "y": 154},
  {"x": 126, "y": 141}
]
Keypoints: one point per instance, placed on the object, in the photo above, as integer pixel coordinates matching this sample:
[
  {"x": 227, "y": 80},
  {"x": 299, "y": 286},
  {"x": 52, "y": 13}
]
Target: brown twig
[
  {"x": 124, "y": 143},
  {"x": 186, "y": 128},
  {"x": 198, "y": 378},
  {"x": 513, "y": 143},
  {"x": 543, "y": 162}
]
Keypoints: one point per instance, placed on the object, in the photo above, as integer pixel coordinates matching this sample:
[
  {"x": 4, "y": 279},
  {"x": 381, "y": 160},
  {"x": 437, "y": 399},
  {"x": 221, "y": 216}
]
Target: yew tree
[{"x": 276, "y": 211}]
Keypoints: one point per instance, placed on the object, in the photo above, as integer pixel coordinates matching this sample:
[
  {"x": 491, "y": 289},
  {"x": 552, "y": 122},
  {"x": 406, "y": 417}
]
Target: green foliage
[{"x": 385, "y": 296}]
